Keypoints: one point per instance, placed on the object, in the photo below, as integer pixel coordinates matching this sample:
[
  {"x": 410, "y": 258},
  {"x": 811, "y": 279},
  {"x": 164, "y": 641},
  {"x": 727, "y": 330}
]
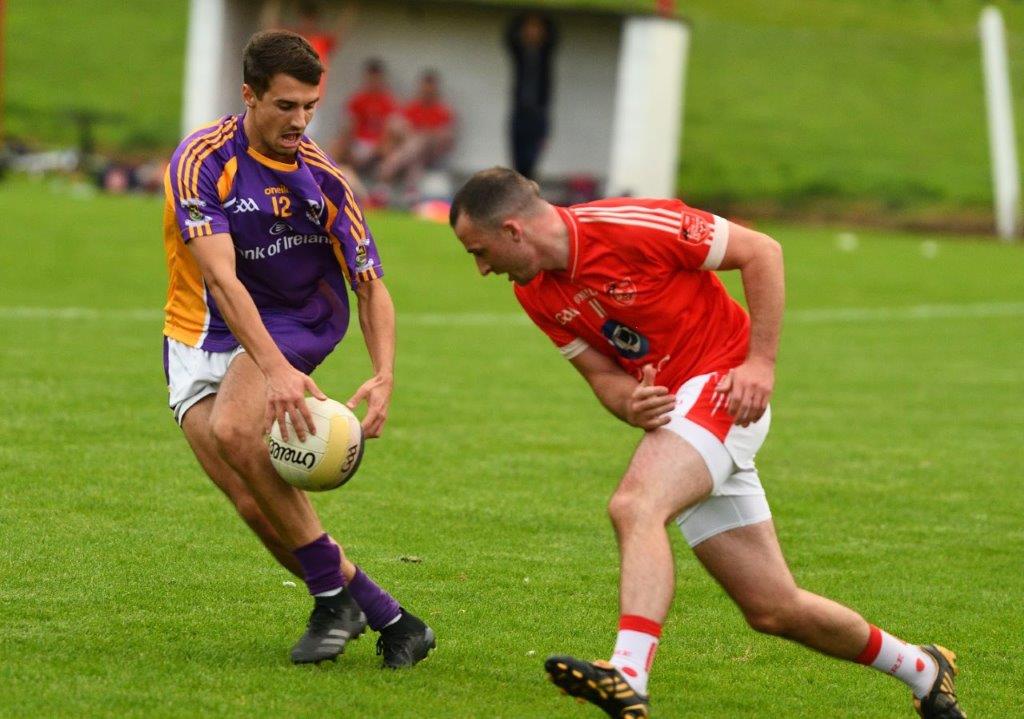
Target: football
[{"x": 328, "y": 458}]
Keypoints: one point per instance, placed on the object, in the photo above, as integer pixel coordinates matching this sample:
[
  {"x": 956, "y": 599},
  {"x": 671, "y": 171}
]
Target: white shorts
[
  {"x": 737, "y": 497},
  {"x": 193, "y": 374}
]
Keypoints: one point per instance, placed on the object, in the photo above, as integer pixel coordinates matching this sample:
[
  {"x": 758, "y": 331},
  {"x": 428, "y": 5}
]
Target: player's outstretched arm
[
  {"x": 377, "y": 321},
  {"x": 641, "y": 404},
  {"x": 286, "y": 386},
  {"x": 759, "y": 259}
]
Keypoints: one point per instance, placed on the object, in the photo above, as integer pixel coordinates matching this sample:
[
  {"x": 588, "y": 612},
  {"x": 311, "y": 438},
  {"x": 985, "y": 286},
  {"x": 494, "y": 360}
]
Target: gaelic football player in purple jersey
[{"x": 263, "y": 235}]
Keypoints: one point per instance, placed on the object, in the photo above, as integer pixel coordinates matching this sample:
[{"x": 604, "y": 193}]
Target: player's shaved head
[
  {"x": 279, "y": 51},
  {"x": 491, "y": 196}
]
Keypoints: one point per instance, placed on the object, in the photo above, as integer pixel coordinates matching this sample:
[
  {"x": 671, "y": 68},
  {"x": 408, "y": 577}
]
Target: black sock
[
  {"x": 335, "y": 601},
  {"x": 407, "y": 624}
]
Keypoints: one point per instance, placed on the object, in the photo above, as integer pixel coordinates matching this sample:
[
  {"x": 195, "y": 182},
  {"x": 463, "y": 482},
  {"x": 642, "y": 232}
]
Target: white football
[{"x": 328, "y": 458}]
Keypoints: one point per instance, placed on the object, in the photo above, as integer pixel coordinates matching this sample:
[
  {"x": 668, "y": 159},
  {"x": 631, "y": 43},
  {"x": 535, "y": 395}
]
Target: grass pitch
[{"x": 128, "y": 588}]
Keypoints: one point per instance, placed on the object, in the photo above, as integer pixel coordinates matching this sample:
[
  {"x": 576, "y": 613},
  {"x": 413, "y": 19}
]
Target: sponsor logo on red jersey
[{"x": 627, "y": 341}]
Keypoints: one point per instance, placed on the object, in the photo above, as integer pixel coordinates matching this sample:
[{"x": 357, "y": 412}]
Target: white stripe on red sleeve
[
  {"x": 584, "y": 210},
  {"x": 574, "y": 348},
  {"x": 719, "y": 241},
  {"x": 650, "y": 222},
  {"x": 650, "y": 217}
]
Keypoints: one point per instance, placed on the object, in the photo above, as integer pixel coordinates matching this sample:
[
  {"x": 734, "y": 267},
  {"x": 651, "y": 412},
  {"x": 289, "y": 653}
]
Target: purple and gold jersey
[{"x": 298, "y": 234}]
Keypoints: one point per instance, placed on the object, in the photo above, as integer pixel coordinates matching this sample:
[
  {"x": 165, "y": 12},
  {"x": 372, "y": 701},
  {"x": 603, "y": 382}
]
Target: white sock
[
  {"x": 909, "y": 663},
  {"x": 635, "y": 647}
]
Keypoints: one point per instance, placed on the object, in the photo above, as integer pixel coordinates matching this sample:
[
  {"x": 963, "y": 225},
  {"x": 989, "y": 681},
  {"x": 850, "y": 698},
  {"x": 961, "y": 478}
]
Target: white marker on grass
[{"x": 847, "y": 242}]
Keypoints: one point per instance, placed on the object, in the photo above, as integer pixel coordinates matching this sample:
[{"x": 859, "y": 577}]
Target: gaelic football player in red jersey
[{"x": 626, "y": 289}]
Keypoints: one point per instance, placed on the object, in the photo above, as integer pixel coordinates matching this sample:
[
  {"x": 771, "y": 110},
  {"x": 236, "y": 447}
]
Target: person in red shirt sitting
[
  {"x": 422, "y": 135},
  {"x": 370, "y": 110}
]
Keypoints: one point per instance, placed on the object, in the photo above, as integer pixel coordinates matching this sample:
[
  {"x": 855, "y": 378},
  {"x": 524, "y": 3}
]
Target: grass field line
[{"x": 799, "y": 316}]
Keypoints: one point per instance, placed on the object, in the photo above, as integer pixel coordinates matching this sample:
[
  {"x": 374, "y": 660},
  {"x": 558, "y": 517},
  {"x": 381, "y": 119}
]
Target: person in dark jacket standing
[{"x": 531, "y": 39}]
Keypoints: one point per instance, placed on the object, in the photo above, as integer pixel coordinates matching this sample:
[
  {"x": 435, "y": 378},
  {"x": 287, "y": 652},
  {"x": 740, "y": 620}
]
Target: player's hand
[
  {"x": 286, "y": 396},
  {"x": 649, "y": 405},
  {"x": 747, "y": 389},
  {"x": 376, "y": 391}
]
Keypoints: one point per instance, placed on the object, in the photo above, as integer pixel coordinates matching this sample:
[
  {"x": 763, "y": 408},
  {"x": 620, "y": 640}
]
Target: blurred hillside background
[{"x": 864, "y": 111}]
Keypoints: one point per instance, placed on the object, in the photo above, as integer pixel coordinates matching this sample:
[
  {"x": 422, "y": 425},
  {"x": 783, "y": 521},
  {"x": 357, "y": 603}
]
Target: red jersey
[
  {"x": 323, "y": 45},
  {"x": 428, "y": 116},
  {"x": 638, "y": 289},
  {"x": 370, "y": 111}
]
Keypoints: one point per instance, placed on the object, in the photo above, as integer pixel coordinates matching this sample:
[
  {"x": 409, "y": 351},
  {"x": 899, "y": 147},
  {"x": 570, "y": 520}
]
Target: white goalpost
[{"x": 1002, "y": 135}]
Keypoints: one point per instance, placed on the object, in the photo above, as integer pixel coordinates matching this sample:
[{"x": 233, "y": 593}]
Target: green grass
[
  {"x": 129, "y": 588},
  {"x": 124, "y": 60},
  {"x": 812, "y": 107},
  {"x": 857, "y": 104}
]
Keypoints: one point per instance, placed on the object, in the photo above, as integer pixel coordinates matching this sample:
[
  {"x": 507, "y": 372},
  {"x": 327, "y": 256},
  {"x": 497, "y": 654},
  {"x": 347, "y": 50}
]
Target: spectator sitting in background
[
  {"x": 361, "y": 143},
  {"x": 420, "y": 137}
]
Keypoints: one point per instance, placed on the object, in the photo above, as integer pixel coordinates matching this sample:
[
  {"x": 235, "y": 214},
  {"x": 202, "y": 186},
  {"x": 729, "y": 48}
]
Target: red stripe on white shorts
[{"x": 711, "y": 411}]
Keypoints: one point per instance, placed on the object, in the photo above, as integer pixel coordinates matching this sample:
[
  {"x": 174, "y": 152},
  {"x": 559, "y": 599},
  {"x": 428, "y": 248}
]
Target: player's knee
[
  {"x": 630, "y": 508},
  {"x": 231, "y": 438},
  {"x": 620, "y": 509}
]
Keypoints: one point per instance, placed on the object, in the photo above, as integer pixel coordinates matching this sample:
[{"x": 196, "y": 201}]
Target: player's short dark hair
[
  {"x": 490, "y": 196},
  {"x": 272, "y": 51}
]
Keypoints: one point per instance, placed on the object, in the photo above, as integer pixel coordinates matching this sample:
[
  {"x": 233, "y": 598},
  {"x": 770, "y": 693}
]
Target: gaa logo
[
  {"x": 622, "y": 291},
  {"x": 245, "y": 204},
  {"x": 351, "y": 458},
  {"x": 627, "y": 342}
]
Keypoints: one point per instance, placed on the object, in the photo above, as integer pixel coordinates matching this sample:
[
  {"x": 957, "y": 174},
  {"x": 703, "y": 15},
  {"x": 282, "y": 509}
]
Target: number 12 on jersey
[{"x": 282, "y": 205}]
